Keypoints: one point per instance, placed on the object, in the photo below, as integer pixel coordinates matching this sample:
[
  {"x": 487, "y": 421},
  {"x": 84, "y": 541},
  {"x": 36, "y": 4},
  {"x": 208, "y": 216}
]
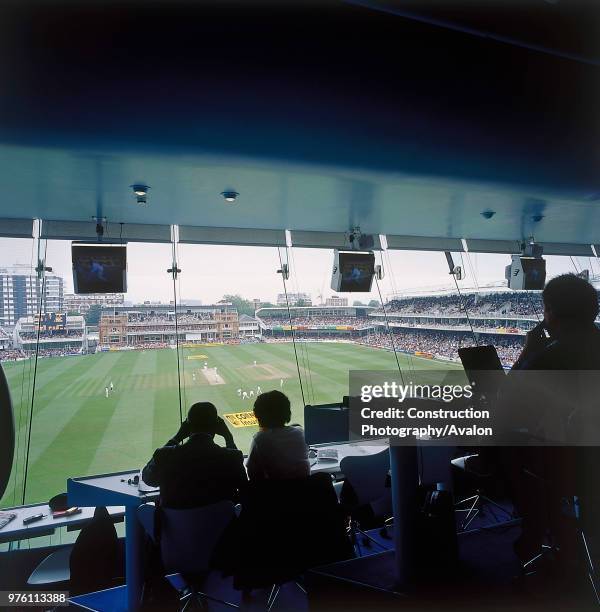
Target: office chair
[
  {"x": 53, "y": 569},
  {"x": 285, "y": 528},
  {"x": 368, "y": 476},
  {"x": 569, "y": 510},
  {"x": 473, "y": 466},
  {"x": 187, "y": 540}
]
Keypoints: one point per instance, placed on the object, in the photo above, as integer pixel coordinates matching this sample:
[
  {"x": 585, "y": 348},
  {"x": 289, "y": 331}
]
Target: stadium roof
[
  {"x": 244, "y": 318},
  {"x": 404, "y": 120}
]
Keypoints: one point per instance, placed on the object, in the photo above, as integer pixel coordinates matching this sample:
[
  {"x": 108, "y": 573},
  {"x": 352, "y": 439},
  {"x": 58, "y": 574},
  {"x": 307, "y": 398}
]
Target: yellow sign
[
  {"x": 197, "y": 356},
  {"x": 241, "y": 419}
]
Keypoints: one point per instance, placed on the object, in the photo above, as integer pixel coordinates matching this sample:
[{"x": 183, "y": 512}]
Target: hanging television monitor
[
  {"x": 352, "y": 271},
  {"x": 99, "y": 268}
]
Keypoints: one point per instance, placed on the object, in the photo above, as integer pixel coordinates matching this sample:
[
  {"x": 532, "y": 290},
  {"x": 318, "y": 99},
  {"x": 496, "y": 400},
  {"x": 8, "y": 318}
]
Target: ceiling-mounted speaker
[{"x": 7, "y": 433}]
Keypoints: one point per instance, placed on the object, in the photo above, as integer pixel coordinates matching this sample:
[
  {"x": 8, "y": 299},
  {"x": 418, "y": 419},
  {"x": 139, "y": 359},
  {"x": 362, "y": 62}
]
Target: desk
[
  {"x": 15, "y": 530},
  {"x": 346, "y": 449},
  {"x": 106, "y": 489}
]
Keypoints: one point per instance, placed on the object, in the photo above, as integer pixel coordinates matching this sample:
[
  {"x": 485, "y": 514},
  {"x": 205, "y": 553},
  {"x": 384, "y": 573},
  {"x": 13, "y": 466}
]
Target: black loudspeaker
[{"x": 7, "y": 433}]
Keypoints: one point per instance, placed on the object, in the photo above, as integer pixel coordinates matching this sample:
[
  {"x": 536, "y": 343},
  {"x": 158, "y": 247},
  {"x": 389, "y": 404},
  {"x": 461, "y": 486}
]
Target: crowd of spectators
[
  {"x": 53, "y": 352},
  {"x": 317, "y": 321},
  {"x": 516, "y": 325},
  {"x": 500, "y": 303},
  {"x": 11, "y": 355},
  {"x": 55, "y": 335},
  {"x": 149, "y": 345},
  {"x": 444, "y": 344},
  {"x": 162, "y": 319}
]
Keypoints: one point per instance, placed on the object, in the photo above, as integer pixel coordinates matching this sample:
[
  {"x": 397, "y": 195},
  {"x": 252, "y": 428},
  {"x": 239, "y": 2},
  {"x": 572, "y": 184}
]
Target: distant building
[
  {"x": 156, "y": 324},
  {"x": 336, "y": 300},
  {"x": 294, "y": 299},
  {"x": 82, "y": 303},
  {"x": 21, "y": 292},
  {"x": 5, "y": 340},
  {"x": 55, "y": 331},
  {"x": 249, "y": 327}
]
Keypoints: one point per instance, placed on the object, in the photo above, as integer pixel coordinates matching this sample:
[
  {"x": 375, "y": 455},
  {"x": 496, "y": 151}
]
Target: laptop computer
[{"x": 483, "y": 368}]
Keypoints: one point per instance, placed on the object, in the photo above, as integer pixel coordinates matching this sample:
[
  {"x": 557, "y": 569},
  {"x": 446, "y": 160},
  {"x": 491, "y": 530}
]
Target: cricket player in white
[
  {"x": 112, "y": 387},
  {"x": 106, "y": 392},
  {"x": 244, "y": 395}
]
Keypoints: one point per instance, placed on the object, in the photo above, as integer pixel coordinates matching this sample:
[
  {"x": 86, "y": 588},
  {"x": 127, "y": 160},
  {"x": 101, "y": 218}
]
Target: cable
[
  {"x": 287, "y": 303},
  {"x": 174, "y": 275},
  {"x": 464, "y": 307},
  {"x": 185, "y": 400},
  {"x": 37, "y": 348},
  {"x": 395, "y": 292},
  {"x": 18, "y": 429},
  {"x": 304, "y": 346},
  {"x": 387, "y": 324}
]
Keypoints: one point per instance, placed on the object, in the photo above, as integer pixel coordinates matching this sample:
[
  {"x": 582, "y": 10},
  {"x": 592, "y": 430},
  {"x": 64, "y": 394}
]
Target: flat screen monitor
[
  {"x": 326, "y": 423},
  {"x": 483, "y": 368},
  {"x": 99, "y": 268},
  {"x": 353, "y": 272}
]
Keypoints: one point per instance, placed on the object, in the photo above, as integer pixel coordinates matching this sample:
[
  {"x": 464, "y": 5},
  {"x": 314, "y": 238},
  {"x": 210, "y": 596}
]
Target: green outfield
[{"x": 77, "y": 430}]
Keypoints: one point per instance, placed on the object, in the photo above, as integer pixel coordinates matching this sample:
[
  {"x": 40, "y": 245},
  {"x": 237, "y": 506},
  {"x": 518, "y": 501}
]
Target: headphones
[{"x": 132, "y": 481}]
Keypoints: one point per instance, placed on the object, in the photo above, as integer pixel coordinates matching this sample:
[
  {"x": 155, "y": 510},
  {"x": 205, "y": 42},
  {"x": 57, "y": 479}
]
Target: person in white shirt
[{"x": 277, "y": 451}]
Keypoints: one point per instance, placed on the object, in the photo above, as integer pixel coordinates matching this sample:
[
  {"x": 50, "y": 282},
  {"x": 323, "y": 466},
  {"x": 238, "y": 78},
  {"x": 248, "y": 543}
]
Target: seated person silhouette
[
  {"x": 278, "y": 451},
  {"x": 191, "y": 470},
  {"x": 572, "y": 343}
]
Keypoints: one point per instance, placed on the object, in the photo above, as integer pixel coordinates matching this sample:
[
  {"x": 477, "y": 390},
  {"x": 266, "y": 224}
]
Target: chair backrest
[
  {"x": 94, "y": 559},
  {"x": 368, "y": 475},
  {"x": 188, "y": 538},
  {"x": 7, "y": 433},
  {"x": 146, "y": 514},
  {"x": 288, "y": 526}
]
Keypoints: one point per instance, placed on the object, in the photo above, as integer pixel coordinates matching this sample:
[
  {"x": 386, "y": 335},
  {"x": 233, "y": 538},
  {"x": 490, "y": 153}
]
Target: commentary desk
[{"x": 113, "y": 490}]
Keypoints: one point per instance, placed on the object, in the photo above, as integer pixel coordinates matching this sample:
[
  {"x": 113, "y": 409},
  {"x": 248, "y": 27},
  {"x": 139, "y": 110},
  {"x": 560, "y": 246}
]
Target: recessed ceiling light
[
  {"x": 141, "y": 193},
  {"x": 230, "y": 196}
]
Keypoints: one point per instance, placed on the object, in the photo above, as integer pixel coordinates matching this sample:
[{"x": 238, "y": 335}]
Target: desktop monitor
[
  {"x": 326, "y": 423},
  {"x": 352, "y": 271},
  {"x": 483, "y": 368},
  {"x": 99, "y": 268}
]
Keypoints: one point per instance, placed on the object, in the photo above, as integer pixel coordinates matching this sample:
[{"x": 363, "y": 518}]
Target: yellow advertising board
[{"x": 241, "y": 419}]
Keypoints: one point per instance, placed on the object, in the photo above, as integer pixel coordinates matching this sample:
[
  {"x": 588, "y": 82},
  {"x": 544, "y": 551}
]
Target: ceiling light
[
  {"x": 230, "y": 196},
  {"x": 141, "y": 193}
]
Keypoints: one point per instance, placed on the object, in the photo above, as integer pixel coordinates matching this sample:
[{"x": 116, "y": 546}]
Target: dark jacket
[
  {"x": 195, "y": 473},
  {"x": 578, "y": 351}
]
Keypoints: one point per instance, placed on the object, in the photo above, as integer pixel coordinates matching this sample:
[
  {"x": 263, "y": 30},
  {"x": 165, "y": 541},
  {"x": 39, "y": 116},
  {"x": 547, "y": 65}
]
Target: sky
[{"x": 209, "y": 272}]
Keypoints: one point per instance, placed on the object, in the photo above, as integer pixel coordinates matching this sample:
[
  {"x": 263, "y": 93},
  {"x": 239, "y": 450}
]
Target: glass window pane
[
  {"x": 18, "y": 298},
  {"x": 106, "y": 388},
  {"x": 225, "y": 357}
]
